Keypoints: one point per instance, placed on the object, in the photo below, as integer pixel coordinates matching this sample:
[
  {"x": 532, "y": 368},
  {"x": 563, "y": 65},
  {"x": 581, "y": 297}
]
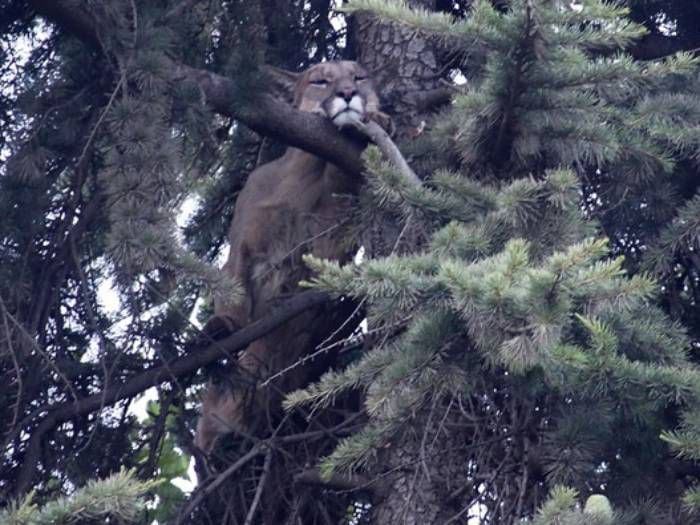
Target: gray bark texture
[
  {"x": 423, "y": 472},
  {"x": 404, "y": 64}
]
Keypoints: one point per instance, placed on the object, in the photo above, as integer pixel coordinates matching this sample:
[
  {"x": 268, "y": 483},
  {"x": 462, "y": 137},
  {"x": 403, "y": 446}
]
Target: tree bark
[
  {"x": 418, "y": 474},
  {"x": 422, "y": 471},
  {"x": 404, "y": 64}
]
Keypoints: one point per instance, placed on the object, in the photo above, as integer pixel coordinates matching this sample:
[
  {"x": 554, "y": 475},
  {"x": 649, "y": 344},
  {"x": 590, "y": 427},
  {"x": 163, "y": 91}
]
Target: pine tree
[
  {"x": 532, "y": 307},
  {"x": 518, "y": 325},
  {"x": 119, "y": 497}
]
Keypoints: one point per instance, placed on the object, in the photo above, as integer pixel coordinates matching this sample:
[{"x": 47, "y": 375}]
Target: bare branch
[
  {"x": 221, "y": 478},
  {"x": 335, "y": 482},
  {"x": 178, "y": 367},
  {"x": 381, "y": 138},
  {"x": 258, "y": 491}
]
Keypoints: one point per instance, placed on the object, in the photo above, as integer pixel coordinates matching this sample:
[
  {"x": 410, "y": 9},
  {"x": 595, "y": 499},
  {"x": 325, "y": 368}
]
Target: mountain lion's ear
[{"x": 284, "y": 80}]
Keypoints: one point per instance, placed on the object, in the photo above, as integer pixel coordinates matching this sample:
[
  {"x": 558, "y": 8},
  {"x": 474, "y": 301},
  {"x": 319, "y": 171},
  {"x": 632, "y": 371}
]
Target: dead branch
[
  {"x": 220, "y": 479},
  {"x": 335, "y": 482},
  {"x": 381, "y": 138},
  {"x": 259, "y": 490}
]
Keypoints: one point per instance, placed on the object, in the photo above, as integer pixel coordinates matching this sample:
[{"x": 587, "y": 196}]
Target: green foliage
[
  {"x": 561, "y": 500},
  {"x": 561, "y": 509},
  {"x": 548, "y": 101},
  {"x": 172, "y": 463},
  {"x": 568, "y": 169},
  {"x": 516, "y": 289},
  {"x": 143, "y": 172},
  {"x": 691, "y": 499},
  {"x": 680, "y": 237},
  {"x": 598, "y": 506},
  {"x": 120, "y": 496}
]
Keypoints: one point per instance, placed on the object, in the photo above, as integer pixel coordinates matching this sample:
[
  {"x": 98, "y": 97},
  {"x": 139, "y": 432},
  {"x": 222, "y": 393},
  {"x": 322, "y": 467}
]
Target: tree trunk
[
  {"x": 404, "y": 64},
  {"x": 423, "y": 472},
  {"x": 420, "y": 469}
]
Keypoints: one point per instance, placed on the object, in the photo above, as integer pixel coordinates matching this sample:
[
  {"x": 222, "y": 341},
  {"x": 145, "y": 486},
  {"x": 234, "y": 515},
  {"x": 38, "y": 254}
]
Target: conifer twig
[
  {"x": 258, "y": 492},
  {"x": 221, "y": 478}
]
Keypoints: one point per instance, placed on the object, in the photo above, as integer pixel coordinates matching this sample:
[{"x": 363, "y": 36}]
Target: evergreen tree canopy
[
  {"x": 509, "y": 301},
  {"x": 531, "y": 307}
]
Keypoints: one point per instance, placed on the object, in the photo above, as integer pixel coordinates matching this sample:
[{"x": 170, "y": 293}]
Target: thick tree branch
[
  {"x": 263, "y": 113},
  {"x": 432, "y": 99},
  {"x": 274, "y": 118},
  {"x": 77, "y": 22},
  {"x": 177, "y": 368}
]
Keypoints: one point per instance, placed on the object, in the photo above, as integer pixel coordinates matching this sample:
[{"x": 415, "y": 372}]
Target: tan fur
[{"x": 293, "y": 205}]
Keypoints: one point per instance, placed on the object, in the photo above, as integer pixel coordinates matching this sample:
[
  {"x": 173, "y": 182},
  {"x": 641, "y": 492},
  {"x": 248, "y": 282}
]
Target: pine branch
[
  {"x": 263, "y": 113},
  {"x": 179, "y": 367},
  {"x": 119, "y": 496}
]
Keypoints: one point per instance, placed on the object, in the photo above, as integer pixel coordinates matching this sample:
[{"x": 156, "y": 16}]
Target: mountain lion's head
[{"x": 340, "y": 90}]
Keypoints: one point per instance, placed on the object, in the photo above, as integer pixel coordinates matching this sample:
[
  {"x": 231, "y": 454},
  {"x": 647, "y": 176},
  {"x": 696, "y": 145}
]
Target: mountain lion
[{"x": 293, "y": 205}]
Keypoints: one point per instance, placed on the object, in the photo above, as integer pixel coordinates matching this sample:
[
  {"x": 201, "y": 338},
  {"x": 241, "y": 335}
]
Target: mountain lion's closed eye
[
  {"x": 293, "y": 205},
  {"x": 341, "y": 91}
]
